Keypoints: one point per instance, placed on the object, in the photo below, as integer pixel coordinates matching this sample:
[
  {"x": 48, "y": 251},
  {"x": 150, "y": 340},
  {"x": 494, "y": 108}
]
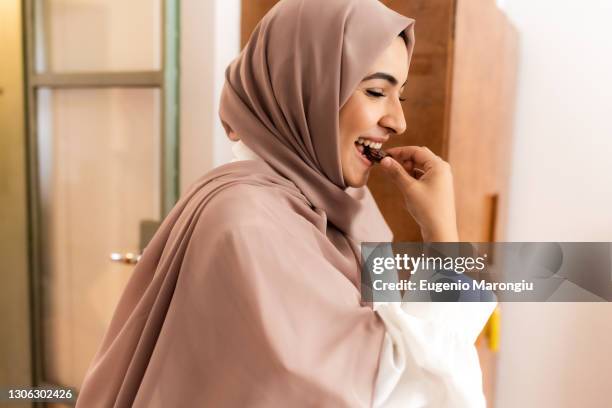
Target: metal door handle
[
  {"x": 147, "y": 230},
  {"x": 127, "y": 258}
]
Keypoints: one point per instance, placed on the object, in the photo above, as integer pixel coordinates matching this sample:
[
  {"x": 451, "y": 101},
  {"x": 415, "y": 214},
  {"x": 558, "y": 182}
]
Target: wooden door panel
[{"x": 484, "y": 82}]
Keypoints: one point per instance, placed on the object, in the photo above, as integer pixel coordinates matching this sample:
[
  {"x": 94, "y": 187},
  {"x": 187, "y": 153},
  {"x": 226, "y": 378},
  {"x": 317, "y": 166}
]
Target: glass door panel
[
  {"x": 98, "y": 35},
  {"x": 99, "y": 177}
]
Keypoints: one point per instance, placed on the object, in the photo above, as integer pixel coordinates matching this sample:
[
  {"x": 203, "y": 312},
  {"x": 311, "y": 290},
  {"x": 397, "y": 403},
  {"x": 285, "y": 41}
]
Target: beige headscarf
[{"x": 248, "y": 294}]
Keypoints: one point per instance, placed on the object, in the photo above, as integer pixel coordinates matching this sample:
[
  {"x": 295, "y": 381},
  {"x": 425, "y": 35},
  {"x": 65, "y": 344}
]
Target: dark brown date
[{"x": 374, "y": 155}]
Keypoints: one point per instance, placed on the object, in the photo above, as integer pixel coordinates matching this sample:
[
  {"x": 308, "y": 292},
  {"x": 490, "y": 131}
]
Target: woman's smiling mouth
[{"x": 369, "y": 151}]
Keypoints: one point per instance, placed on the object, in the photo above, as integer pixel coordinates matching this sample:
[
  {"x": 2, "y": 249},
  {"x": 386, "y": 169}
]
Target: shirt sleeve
[{"x": 428, "y": 357}]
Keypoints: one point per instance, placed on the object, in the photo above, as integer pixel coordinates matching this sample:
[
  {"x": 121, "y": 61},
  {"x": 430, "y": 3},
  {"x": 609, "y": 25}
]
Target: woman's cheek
[{"x": 366, "y": 118}]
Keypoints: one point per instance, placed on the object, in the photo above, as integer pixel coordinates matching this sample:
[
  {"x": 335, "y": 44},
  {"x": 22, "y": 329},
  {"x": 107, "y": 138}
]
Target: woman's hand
[{"x": 426, "y": 182}]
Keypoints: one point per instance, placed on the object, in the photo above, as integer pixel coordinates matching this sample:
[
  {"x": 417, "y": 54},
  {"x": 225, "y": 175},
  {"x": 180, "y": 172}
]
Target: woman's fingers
[
  {"x": 420, "y": 156},
  {"x": 428, "y": 195},
  {"x": 397, "y": 172}
]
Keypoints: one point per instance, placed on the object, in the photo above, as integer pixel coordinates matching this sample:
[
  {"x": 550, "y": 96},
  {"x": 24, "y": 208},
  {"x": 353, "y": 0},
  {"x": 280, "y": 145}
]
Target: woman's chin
[{"x": 357, "y": 180}]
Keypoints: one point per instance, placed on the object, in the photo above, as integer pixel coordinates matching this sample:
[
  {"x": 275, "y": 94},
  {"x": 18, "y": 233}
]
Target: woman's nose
[{"x": 394, "y": 118}]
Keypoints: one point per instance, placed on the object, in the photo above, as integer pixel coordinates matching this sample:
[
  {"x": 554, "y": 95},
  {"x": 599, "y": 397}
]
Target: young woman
[{"x": 249, "y": 293}]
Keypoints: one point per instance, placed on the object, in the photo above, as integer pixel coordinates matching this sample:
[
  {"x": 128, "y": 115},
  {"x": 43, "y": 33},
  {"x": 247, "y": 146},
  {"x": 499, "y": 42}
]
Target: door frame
[{"x": 15, "y": 343}]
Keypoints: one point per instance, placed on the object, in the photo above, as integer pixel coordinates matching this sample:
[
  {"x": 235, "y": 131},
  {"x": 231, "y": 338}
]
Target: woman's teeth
[{"x": 370, "y": 143}]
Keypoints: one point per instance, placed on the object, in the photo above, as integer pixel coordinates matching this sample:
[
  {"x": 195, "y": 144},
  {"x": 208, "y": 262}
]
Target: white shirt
[{"x": 428, "y": 358}]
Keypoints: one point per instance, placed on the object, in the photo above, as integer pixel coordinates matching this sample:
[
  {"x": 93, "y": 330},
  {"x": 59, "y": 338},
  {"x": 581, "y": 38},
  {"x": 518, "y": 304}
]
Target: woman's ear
[
  {"x": 230, "y": 132},
  {"x": 233, "y": 136}
]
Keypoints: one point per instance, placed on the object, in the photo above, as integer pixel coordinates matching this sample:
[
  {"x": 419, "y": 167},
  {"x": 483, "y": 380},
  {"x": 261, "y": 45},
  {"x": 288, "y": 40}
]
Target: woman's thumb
[{"x": 397, "y": 172}]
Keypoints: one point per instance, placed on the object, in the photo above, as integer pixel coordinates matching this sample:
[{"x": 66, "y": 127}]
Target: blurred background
[{"x": 108, "y": 112}]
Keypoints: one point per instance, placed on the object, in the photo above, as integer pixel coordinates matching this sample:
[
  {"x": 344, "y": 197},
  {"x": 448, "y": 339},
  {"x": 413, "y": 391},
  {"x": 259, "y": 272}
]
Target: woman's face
[{"x": 373, "y": 112}]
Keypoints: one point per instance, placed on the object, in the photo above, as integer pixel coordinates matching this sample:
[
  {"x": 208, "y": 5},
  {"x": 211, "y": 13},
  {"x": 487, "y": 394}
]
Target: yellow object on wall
[{"x": 492, "y": 329}]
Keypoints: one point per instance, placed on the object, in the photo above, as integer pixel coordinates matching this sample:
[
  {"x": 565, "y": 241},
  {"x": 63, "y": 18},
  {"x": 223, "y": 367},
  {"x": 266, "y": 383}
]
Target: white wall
[
  {"x": 563, "y": 132},
  {"x": 557, "y": 355},
  {"x": 210, "y": 39}
]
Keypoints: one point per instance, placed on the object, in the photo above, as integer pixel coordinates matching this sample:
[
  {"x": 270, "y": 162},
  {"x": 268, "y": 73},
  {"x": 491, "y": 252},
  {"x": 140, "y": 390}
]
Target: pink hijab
[{"x": 249, "y": 293}]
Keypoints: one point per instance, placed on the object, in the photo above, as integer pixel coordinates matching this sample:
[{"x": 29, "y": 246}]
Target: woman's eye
[
  {"x": 375, "y": 93},
  {"x": 378, "y": 94}
]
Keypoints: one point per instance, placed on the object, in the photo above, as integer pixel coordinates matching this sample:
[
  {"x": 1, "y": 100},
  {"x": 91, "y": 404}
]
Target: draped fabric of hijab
[
  {"x": 283, "y": 95},
  {"x": 249, "y": 292}
]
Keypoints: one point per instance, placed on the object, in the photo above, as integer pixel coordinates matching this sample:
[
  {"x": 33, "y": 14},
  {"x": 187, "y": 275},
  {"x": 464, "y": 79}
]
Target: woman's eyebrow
[{"x": 382, "y": 75}]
